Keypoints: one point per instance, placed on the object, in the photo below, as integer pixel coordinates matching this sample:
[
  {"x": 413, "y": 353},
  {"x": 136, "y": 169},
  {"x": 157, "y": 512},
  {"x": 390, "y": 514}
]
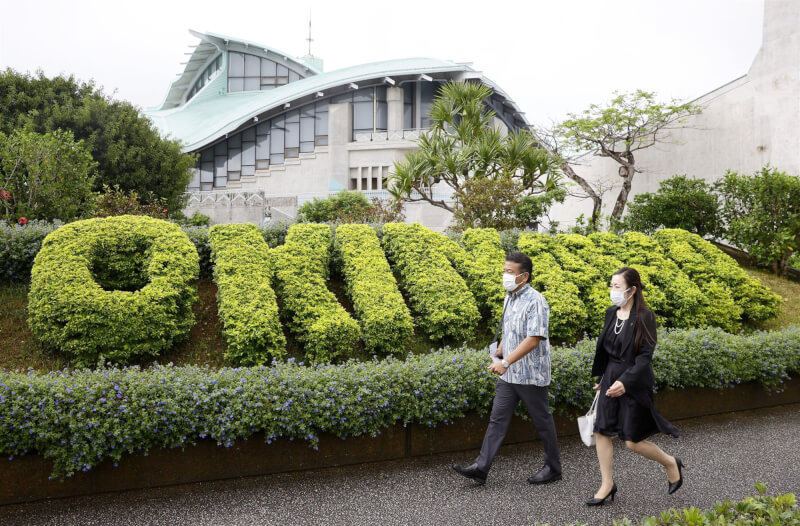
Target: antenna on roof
[{"x": 309, "y": 39}]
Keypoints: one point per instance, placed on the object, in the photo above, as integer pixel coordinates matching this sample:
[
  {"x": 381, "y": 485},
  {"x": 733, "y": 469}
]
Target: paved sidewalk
[{"x": 724, "y": 456}]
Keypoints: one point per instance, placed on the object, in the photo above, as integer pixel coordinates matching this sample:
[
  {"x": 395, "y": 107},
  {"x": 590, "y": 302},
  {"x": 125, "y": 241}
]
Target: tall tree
[
  {"x": 463, "y": 153},
  {"x": 629, "y": 123},
  {"x": 129, "y": 150}
]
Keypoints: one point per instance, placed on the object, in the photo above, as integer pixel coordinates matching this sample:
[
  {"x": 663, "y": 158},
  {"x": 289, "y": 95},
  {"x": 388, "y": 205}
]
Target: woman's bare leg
[
  {"x": 605, "y": 456},
  {"x": 653, "y": 452}
]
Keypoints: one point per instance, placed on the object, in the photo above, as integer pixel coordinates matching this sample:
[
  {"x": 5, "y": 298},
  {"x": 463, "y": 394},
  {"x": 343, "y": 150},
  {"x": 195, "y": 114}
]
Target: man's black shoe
[
  {"x": 544, "y": 476},
  {"x": 471, "y": 472}
]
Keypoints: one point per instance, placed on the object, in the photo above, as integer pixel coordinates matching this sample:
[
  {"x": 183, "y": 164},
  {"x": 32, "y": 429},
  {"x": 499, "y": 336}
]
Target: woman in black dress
[{"x": 625, "y": 408}]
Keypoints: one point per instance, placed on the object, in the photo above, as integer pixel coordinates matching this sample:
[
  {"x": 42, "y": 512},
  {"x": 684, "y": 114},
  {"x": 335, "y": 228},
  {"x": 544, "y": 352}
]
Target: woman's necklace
[{"x": 618, "y": 326}]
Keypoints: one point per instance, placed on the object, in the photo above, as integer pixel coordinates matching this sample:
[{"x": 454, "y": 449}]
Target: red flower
[
  {"x": 164, "y": 211},
  {"x": 22, "y": 221},
  {"x": 5, "y": 195}
]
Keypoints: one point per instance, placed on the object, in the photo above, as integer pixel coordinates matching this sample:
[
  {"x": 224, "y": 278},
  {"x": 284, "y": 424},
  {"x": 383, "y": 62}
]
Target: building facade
[
  {"x": 745, "y": 124},
  {"x": 273, "y": 131}
]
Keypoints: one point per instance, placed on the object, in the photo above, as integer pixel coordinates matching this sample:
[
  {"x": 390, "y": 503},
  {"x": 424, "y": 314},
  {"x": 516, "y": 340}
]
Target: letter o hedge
[{"x": 113, "y": 288}]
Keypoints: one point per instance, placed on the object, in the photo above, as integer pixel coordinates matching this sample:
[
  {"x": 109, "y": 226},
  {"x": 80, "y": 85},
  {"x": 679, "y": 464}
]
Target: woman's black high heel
[
  {"x": 594, "y": 501},
  {"x": 673, "y": 486}
]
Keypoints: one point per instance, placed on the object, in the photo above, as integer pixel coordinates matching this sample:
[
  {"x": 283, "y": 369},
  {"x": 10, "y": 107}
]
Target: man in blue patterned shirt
[{"x": 524, "y": 373}]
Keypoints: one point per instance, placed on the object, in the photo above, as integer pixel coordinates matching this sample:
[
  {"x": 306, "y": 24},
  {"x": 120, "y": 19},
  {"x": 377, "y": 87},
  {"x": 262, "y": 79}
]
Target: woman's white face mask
[{"x": 618, "y": 297}]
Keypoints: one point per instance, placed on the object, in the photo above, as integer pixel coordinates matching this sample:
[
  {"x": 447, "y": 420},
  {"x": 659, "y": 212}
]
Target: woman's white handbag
[{"x": 586, "y": 423}]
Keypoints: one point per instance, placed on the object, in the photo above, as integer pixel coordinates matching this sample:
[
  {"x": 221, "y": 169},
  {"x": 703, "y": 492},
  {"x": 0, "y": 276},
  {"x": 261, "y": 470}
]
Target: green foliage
[
  {"x": 45, "y": 176},
  {"x": 245, "y": 300},
  {"x": 116, "y": 202},
  {"x": 127, "y": 147},
  {"x": 113, "y": 288},
  {"x": 762, "y": 213},
  {"x": 83, "y": 417},
  {"x": 465, "y": 155},
  {"x": 733, "y": 296},
  {"x": 385, "y": 320},
  {"x": 481, "y": 266},
  {"x": 680, "y": 202},
  {"x": 349, "y": 207},
  {"x": 311, "y": 311},
  {"x": 437, "y": 295},
  {"x": 567, "y": 311}
]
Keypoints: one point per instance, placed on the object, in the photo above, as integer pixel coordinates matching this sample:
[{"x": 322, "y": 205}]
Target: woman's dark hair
[
  {"x": 524, "y": 262},
  {"x": 632, "y": 279}
]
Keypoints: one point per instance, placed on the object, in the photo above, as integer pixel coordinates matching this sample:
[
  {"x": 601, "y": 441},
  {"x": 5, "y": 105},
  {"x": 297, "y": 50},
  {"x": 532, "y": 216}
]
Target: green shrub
[
  {"x": 146, "y": 266},
  {"x": 315, "y": 316},
  {"x": 79, "y": 418},
  {"x": 245, "y": 300},
  {"x": 386, "y": 324},
  {"x": 440, "y": 300},
  {"x": 567, "y": 311},
  {"x": 481, "y": 266},
  {"x": 19, "y": 245}
]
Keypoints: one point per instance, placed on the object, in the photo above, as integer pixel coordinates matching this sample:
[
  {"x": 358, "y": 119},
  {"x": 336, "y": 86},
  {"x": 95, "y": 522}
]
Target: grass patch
[{"x": 788, "y": 290}]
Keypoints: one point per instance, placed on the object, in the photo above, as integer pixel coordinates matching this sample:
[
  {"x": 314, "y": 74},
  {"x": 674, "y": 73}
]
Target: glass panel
[
  {"x": 207, "y": 172},
  {"x": 235, "y": 141},
  {"x": 276, "y": 158},
  {"x": 282, "y": 71},
  {"x": 293, "y": 76},
  {"x": 306, "y": 147},
  {"x": 293, "y": 116},
  {"x": 234, "y": 159},
  {"x": 249, "y": 134},
  {"x": 207, "y": 155},
  {"x": 382, "y": 117},
  {"x": 344, "y": 97},
  {"x": 262, "y": 164},
  {"x": 235, "y": 85},
  {"x": 322, "y": 106},
  {"x": 267, "y": 68},
  {"x": 234, "y": 176},
  {"x": 263, "y": 128},
  {"x": 235, "y": 64},
  {"x": 248, "y": 170},
  {"x": 221, "y": 167},
  {"x": 276, "y": 136},
  {"x": 307, "y": 129},
  {"x": 252, "y": 66},
  {"x": 307, "y": 110},
  {"x": 321, "y": 127},
  {"x": 408, "y": 116},
  {"x": 252, "y": 84},
  {"x": 221, "y": 148},
  {"x": 292, "y": 152},
  {"x": 380, "y": 93},
  {"x": 248, "y": 153},
  {"x": 262, "y": 147},
  {"x": 292, "y": 135},
  {"x": 363, "y": 95},
  {"x": 362, "y": 116},
  {"x": 321, "y": 140},
  {"x": 269, "y": 81},
  {"x": 220, "y": 182},
  {"x": 206, "y": 187}
]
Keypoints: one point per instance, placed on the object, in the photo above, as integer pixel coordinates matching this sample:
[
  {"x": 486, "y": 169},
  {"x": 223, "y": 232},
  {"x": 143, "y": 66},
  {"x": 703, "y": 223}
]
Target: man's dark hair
[{"x": 524, "y": 262}]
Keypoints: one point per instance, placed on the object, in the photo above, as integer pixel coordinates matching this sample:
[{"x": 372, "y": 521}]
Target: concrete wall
[{"x": 745, "y": 124}]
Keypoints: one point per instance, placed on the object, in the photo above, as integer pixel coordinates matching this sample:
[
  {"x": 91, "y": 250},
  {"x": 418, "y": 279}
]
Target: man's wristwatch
[{"x": 505, "y": 363}]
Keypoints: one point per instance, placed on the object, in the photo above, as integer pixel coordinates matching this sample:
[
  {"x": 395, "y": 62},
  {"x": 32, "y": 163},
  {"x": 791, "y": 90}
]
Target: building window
[
  {"x": 259, "y": 147},
  {"x": 408, "y": 106},
  {"x": 428, "y": 91},
  {"x": 252, "y": 73},
  {"x": 205, "y": 77}
]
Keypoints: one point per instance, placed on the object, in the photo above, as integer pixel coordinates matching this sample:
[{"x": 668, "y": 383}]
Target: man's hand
[
  {"x": 617, "y": 389},
  {"x": 499, "y": 353},
  {"x": 497, "y": 368}
]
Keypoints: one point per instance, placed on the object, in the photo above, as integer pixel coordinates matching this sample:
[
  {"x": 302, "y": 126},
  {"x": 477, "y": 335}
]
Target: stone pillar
[
  {"x": 394, "y": 99},
  {"x": 340, "y": 132}
]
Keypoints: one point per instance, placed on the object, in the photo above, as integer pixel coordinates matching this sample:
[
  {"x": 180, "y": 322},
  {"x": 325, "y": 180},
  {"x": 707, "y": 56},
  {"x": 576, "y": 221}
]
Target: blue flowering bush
[
  {"x": 19, "y": 245},
  {"x": 78, "y": 418}
]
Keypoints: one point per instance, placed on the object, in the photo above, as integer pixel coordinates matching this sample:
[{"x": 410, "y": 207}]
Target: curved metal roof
[{"x": 213, "y": 112}]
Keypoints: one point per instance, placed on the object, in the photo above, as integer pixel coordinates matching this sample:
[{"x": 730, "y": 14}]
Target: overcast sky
[{"x": 551, "y": 56}]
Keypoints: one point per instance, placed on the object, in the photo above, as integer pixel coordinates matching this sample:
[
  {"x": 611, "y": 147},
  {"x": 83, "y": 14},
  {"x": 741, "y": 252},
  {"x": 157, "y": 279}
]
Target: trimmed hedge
[
  {"x": 480, "y": 262},
  {"x": 385, "y": 320},
  {"x": 245, "y": 299},
  {"x": 567, "y": 311},
  {"x": 113, "y": 288},
  {"x": 79, "y": 418},
  {"x": 311, "y": 311},
  {"x": 440, "y": 300}
]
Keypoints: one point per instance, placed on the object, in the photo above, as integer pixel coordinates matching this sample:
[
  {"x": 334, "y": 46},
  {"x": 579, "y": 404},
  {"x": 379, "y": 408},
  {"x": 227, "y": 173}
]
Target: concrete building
[
  {"x": 749, "y": 122},
  {"x": 273, "y": 131}
]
